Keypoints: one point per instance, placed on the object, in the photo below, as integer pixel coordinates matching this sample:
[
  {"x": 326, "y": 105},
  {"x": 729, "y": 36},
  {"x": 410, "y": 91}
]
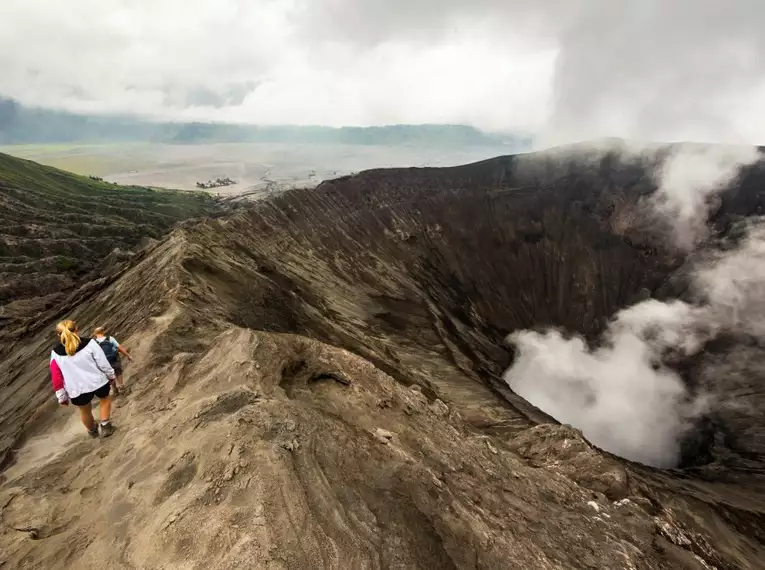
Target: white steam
[
  {"x": 620, "y": 394},
  {"x": 614, "y": 393},
  {"x": 733, "y": 283},
  {"x": 688, "y": 178}
]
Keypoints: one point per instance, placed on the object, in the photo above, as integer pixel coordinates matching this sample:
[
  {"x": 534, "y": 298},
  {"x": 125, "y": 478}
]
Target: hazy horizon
[
  {"x": 267, "y": 167},
  {"x": 158, "y": 119}
]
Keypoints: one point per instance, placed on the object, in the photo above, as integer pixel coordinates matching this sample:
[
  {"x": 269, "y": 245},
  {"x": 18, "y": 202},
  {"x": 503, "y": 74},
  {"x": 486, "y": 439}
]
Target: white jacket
[{"x": 85, "y": 371}]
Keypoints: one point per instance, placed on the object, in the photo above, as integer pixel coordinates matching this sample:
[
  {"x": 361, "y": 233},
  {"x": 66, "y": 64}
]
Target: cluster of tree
[
  {"x": 99, "y": 179},
  {"x": 217, "y": 183}
]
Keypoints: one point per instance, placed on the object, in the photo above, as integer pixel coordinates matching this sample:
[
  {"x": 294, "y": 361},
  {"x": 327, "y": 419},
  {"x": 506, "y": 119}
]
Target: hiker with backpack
[
  {"x": 79, "y": 372},
  {"x": 112, "y": 350}
]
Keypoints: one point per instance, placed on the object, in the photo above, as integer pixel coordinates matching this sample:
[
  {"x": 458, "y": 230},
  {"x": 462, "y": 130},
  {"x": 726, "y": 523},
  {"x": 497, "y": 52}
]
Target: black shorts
[
  {"x": 87, "y": 397},
  {"x": 117, "y": 366}
]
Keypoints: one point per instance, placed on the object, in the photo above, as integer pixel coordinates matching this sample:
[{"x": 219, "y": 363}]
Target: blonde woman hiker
[
  {"x": 112, "y": 350},
  {"x": 79, "y": 371}
]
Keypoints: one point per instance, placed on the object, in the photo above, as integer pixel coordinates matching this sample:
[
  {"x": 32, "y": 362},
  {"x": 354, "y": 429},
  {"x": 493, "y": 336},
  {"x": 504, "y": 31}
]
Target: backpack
[{"x": 109, "y": 350}]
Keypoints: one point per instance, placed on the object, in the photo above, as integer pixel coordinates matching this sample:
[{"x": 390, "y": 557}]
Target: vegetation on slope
[{"x": 58, "y": 229}]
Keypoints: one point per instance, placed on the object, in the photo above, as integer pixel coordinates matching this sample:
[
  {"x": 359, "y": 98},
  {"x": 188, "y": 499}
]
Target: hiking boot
[
  {"x": 107, "y": 429},
  {"x": 93, "y": 432}
]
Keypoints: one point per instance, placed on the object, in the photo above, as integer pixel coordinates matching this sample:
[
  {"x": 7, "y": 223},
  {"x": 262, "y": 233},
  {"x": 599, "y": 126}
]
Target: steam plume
[
  {"x": 620, "y": 394},
  {"x": 688, "y": 178}
]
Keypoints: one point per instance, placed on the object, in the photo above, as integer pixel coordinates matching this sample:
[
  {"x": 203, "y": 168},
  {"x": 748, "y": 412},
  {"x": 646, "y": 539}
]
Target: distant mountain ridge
[{"x": 20, "y": 124}]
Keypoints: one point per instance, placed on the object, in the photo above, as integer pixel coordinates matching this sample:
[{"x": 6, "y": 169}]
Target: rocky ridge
[{"x": 318, "y": 384}]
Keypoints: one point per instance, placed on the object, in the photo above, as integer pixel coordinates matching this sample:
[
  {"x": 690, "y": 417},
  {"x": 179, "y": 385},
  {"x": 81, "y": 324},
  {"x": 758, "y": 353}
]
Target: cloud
[
  {"x": 665, "y": 70},
  {"x": 568, "y": 70},
  {"x": 168, "y": 60},
  {"x": 120, "y": 56},
  {"x": 653, "y": 70}
]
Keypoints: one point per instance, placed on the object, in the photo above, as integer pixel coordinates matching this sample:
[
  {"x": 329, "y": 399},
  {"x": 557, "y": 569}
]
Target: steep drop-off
[{"x": 318, "y": 384}]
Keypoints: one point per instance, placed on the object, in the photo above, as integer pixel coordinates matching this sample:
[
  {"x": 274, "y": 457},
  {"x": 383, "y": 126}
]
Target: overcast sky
[{"x": 566, "y": 69}]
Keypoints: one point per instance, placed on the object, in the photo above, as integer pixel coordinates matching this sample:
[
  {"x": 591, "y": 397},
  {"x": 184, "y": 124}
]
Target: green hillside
[{"x": 58, "y": 230}]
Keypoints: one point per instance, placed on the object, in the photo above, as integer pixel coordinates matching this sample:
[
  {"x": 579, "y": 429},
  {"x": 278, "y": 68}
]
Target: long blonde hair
[{"x": 67, "y": 332}]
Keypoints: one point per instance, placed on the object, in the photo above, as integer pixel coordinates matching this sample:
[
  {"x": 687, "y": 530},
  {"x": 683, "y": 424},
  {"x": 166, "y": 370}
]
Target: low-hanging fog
[{"x": 620, "y": 393}]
